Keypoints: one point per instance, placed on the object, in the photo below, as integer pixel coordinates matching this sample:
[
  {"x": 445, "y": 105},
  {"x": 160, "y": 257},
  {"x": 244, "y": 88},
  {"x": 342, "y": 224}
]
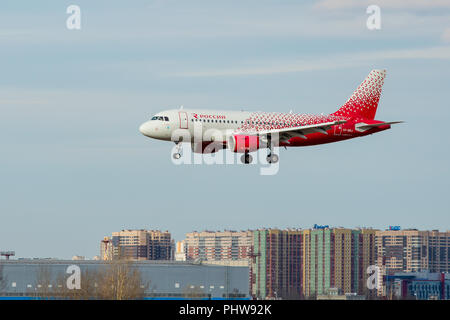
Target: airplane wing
[{"x": 300, "y": 131}]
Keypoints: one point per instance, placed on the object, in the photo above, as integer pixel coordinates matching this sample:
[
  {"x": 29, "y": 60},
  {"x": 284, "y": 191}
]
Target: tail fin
[{"x": 364, "y": 101}]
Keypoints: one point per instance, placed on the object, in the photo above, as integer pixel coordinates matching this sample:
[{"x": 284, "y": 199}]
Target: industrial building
[
  {"x": 166, "y": 279},
  {"x": 418, "y": 286}
]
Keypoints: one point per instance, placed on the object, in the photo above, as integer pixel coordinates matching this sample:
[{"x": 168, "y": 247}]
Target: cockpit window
[{"x": 160, "y": 118}]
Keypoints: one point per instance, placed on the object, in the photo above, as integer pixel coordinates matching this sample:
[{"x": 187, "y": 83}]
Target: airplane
[{"x": 245, "y": 132}]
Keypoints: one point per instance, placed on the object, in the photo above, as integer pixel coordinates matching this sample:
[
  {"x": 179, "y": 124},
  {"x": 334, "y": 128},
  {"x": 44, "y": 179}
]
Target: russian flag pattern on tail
[{"x": 364, "y": 101}]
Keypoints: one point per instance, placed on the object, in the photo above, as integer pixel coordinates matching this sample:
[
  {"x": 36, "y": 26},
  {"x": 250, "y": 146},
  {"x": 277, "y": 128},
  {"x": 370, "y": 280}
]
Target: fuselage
[{"x": 165, "y": 124}]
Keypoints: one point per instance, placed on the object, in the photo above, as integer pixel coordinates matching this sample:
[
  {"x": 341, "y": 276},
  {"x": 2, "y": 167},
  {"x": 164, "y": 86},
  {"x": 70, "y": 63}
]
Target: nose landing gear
[{"x": 178, "y": 151}]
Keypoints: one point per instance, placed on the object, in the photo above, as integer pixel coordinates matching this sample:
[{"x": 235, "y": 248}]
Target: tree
[
  {"x": 120, "y": 280},
  {"x": 117, "y": 280},
  {"x": 44, "y": 286},
  {"x": 87, "y": 291},
  {"x": 3, "y": 279},
  {"x": 193, "y": 292}
]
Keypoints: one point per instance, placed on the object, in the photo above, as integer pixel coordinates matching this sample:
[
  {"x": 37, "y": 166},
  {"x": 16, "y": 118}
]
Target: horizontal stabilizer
[{"x": 365, "y": 126}]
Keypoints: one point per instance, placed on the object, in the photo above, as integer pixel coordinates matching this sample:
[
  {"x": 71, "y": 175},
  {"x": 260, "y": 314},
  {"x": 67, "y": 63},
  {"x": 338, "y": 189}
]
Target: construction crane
[{"x": 7, "y": 254}]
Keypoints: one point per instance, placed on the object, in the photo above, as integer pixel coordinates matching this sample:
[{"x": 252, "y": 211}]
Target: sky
[{"x": 74, "y": 167}]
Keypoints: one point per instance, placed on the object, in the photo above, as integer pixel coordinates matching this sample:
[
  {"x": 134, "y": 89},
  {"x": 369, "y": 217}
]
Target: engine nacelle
[{"x": 242, "y": 144}]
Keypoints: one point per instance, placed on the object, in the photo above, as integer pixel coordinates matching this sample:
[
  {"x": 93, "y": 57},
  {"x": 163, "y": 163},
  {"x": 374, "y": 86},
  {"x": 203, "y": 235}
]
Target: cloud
[
  {"x": 164, "y": 22},
  {"x": 323, "y": 63},
  {"x": 392, "y": 4},
  {"x": 446, "y": 35}
]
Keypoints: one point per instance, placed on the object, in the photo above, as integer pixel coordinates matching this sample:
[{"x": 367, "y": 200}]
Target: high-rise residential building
[
  {"x": 137, "y": 245},
  {"x": 412, "y": 250},
  {"x": 367, "y": 257},
  {"x": 160, "y": 245},
  {"x": 180, "y": 251},
  {"x": 336, "y": 258},
  {"x": 276, "y": 264},
  {"x": 217, "y": 246}
]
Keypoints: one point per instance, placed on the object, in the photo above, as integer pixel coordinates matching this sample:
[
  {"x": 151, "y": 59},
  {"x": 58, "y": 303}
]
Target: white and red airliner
[{"x": 245, "y": 132}]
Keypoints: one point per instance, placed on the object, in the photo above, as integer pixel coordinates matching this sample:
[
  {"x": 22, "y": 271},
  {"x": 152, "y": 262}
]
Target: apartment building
[
  {"x": 336, "y": 258},
  {"x": 413, "y": 251},
  {"x": 218, "y": 245},
  {"x": 137, "y": 245},
  {"x": 276, "y": 264}
]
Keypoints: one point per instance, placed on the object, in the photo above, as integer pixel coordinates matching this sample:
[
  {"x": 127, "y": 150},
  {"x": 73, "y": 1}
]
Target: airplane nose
[{"x": 145, "y": 129}]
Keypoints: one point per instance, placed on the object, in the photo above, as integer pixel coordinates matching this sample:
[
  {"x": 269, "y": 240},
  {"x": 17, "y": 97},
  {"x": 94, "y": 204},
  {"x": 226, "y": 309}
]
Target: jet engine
[{"x": 243, "y": 144}]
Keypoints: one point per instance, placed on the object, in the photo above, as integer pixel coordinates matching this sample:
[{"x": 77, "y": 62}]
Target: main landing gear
[
  {"x": 271, "y": 157},
  {"x": 178, "y": 151},
  {"x": 246, "y": 158}
]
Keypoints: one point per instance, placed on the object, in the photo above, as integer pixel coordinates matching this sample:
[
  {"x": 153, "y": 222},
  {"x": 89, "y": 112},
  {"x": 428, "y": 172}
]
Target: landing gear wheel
[
  {"x": 178, "y": 150},
  {"x": 246, "y": 158},
  {"x": 272, "y": 158}
]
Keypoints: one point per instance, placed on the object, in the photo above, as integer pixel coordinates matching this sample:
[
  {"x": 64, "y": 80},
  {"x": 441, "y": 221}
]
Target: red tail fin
[{"x": 364, "y": 101}]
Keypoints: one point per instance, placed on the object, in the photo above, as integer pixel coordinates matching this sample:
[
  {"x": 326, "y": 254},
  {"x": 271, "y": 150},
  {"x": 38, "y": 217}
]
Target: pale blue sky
[{"x": 74, "y": 167}]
